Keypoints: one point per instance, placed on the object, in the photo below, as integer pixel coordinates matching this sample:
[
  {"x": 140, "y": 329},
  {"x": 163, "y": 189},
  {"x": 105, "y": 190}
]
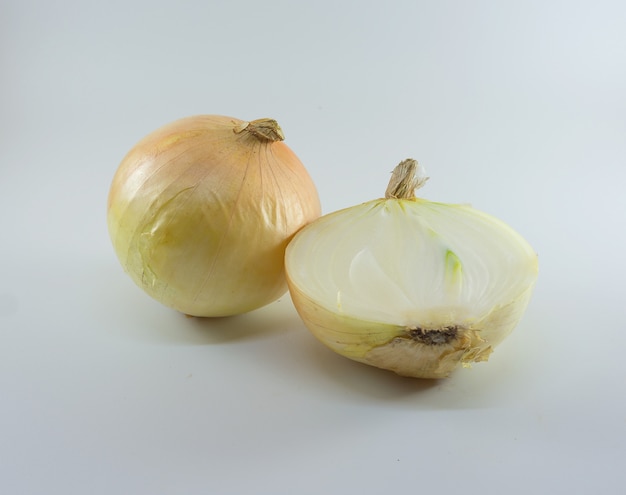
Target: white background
[{"x": 518, "y": 107}]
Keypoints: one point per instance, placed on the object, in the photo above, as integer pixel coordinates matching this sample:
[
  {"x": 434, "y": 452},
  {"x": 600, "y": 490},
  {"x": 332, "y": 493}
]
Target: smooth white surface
[{"x": 515, "y": 107}]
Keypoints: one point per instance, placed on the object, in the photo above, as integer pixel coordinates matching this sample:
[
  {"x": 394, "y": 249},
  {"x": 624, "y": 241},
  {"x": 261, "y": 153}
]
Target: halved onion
[{"x": 410, "y": 285}]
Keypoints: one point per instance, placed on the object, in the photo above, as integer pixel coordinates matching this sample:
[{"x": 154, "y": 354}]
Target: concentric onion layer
[
  {"x": 201, "y": 210},
  {"x": 448, "y": 282}
]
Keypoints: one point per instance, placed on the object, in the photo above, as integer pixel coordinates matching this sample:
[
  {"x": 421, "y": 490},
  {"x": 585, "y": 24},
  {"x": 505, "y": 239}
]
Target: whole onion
[{"x": 201, "y": 210}]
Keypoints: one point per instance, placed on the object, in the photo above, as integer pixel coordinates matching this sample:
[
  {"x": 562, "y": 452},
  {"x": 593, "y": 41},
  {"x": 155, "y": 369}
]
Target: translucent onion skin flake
[{"x": 409, "y": 285}]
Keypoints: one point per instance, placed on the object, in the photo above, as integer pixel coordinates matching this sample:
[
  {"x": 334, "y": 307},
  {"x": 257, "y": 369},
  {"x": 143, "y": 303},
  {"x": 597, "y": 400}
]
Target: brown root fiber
[{"x": 433, "y": 337}]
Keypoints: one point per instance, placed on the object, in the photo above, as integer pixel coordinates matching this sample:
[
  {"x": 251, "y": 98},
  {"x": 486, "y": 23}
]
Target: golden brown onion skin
[{"x": 201, "y": 210}]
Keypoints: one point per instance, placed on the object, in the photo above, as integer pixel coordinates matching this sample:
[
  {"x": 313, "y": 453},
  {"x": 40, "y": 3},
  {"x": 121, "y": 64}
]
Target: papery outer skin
[
  {"x": 371, "y": 342},
  {"x": 200, "y": 216},
  {"x": 387, "y": 345}
]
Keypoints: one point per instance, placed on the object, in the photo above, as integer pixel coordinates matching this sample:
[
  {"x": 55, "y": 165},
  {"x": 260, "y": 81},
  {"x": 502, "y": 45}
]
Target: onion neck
[
  {"x": 405, "y": 179},
  {"x": 262, "y": 129}
]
